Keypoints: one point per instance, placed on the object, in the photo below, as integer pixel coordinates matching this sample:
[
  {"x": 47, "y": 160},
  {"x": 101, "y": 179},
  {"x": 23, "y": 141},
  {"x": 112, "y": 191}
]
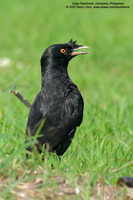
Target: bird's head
[{"x": 62, "y": 53}]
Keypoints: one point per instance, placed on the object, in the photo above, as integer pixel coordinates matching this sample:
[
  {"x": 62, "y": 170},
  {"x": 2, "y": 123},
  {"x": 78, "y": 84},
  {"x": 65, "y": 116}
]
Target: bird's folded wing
[{"x": 60, "y": 120}]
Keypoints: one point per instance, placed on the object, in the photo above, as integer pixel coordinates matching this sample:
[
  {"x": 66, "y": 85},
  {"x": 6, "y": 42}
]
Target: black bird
[{"x": 59, "y": 105}]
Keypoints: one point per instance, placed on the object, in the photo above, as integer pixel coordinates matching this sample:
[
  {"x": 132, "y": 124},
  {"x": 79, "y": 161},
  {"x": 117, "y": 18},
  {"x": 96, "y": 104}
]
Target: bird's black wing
[
  {"x": 62, "y": 116},
  {"x": 61, "y": 120},
  {"x": 35, "y": 116}
]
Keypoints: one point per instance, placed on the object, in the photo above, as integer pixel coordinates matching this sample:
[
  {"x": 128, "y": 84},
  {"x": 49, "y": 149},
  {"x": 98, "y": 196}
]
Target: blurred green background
[
  {"x": 27, "y": 28},
  {"x": 104, "y": 77}
]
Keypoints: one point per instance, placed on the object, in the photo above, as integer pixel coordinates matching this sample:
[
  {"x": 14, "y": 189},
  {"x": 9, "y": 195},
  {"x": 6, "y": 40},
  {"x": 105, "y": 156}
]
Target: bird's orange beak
[{"x": 75, "y": 52}]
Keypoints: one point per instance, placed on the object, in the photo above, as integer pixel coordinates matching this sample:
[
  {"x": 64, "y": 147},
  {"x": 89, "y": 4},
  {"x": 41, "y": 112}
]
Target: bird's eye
[{"x": 63, "y": 50}]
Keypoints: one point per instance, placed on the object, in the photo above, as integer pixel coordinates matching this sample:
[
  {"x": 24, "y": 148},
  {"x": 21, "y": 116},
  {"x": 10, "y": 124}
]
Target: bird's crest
[{"x": 72, "y": 43}]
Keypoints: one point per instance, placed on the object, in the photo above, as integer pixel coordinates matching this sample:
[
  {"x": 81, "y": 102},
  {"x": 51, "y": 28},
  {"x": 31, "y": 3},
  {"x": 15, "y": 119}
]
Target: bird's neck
[{"x": 52, "y": 72}]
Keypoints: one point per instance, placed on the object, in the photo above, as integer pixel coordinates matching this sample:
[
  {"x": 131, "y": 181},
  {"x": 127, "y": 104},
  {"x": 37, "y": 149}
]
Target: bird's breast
[{"x": 63, "y": 101}]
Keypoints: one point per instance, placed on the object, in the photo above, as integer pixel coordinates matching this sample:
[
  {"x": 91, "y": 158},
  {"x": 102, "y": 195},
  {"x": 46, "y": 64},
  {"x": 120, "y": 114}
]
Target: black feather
[{"x": 59, "y": 102}]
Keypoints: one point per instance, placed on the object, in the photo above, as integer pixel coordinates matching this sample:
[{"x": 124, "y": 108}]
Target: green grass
[{"x": 102, "y": 148}]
